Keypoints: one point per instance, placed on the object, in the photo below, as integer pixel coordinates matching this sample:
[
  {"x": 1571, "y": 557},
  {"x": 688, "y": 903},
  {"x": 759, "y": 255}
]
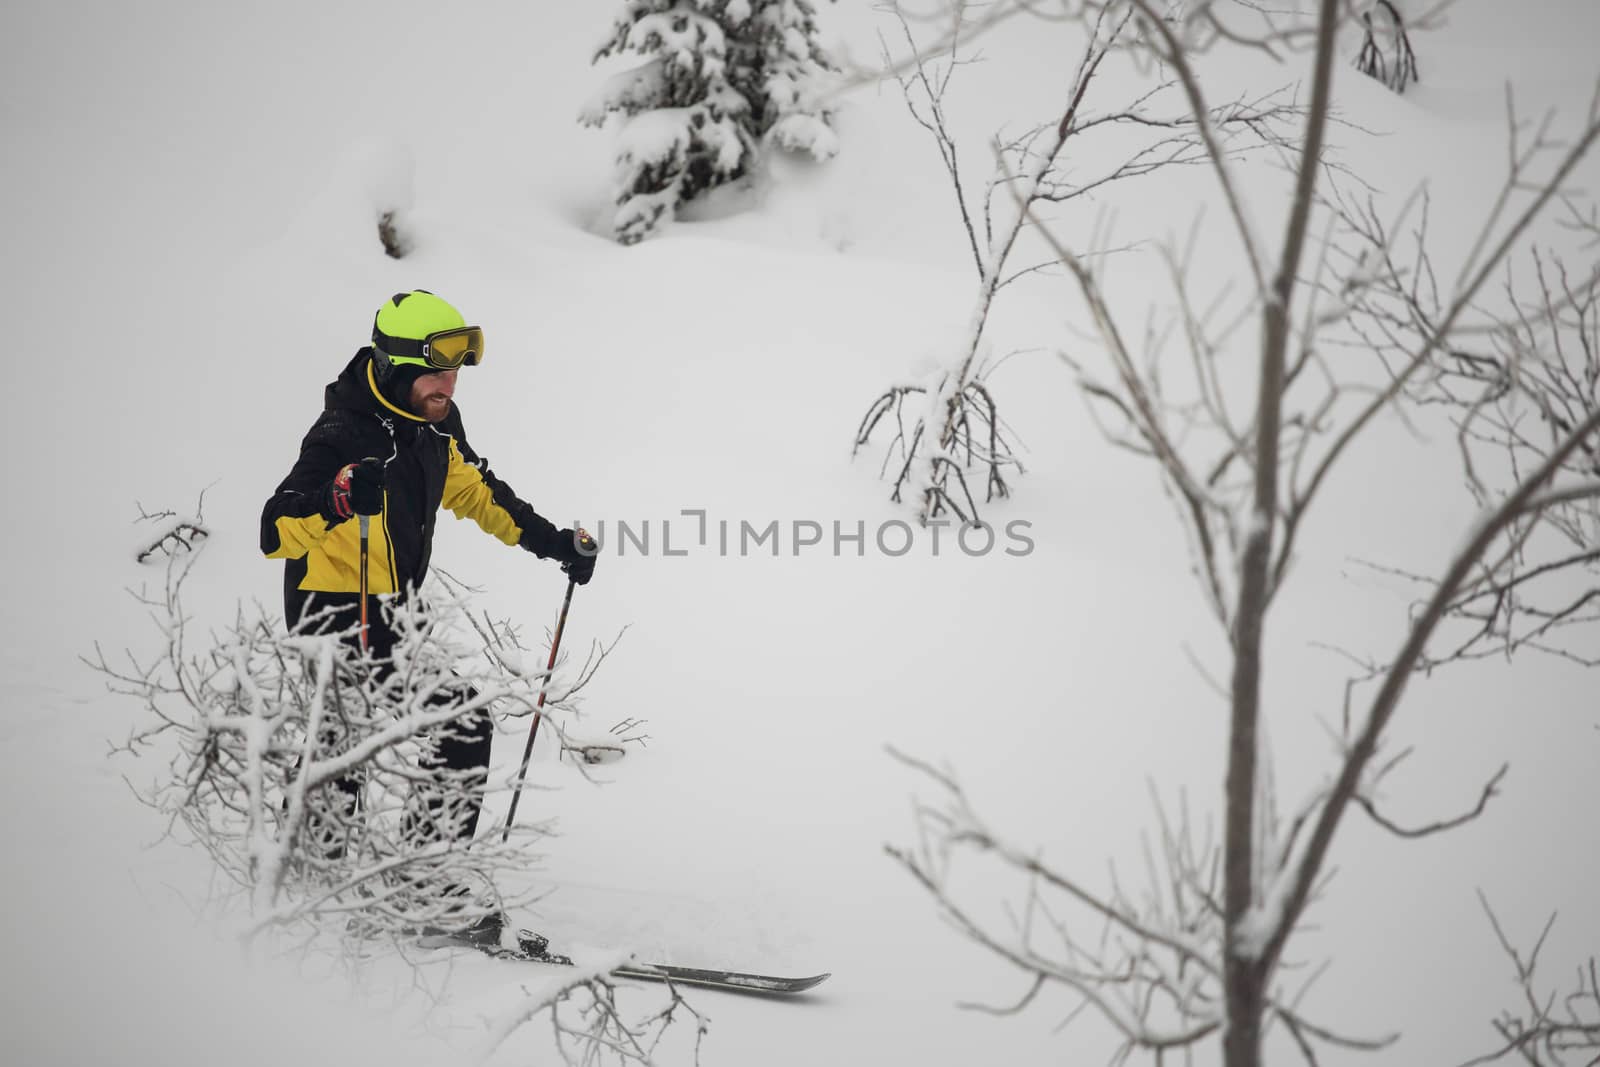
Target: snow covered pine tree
[{"x": 724, "y": 79}]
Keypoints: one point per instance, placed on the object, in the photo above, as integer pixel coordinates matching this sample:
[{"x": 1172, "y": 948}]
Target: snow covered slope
[{"x": 189, "y": 255}]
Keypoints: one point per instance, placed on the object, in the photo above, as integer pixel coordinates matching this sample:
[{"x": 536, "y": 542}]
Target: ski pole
[
  {"x": 365, "y": 521},
  {"x": 538, "y": 711},
  {"x": 585, "y": 543}
]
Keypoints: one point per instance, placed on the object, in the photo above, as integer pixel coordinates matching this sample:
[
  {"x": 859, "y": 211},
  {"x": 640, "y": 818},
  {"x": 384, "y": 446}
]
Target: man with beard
[{"x": 389, "y": 445}]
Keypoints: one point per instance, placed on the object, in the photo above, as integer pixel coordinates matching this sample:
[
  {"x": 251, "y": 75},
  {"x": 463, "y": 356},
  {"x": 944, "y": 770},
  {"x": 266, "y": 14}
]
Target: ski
[
  {"x": 534, "y": 948},
  {"x": 727, "y": 981}
]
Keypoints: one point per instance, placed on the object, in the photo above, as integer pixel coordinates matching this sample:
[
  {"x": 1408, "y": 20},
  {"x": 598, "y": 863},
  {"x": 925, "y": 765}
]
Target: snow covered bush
[
  {"x": 722, "y": 80},
  {"x": 302, "y": 766},
  {"x": 949, "y": 423}
]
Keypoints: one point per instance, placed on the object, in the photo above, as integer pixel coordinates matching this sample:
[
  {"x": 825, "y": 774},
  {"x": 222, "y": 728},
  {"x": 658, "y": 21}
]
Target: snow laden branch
[
  {"x": 1148, "y": 959},
  {"x": 310, "y": 772},
  {"x": 177, "y": 534},
  {"x": 949, "y": 424},
  {"x": 586, "y": 1023}
]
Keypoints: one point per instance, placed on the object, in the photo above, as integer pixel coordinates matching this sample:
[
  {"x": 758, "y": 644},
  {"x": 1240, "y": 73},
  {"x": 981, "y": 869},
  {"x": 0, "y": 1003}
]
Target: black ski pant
[{"x": 455, "y": 756}]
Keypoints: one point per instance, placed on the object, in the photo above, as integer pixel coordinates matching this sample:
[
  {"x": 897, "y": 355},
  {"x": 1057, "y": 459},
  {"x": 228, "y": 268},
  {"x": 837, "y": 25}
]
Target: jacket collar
[
  {"x": 372, "y": 384},
  {"x": 356, "y": 389}
]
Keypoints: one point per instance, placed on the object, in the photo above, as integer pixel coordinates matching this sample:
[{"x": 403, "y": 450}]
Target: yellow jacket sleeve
[{"x": 470, "y": 492}]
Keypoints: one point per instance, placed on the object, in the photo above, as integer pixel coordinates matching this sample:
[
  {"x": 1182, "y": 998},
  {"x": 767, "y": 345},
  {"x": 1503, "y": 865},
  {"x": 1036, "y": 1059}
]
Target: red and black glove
[
  {"x": 579, "y": 565},
  {"x": 356, "y": 490}
]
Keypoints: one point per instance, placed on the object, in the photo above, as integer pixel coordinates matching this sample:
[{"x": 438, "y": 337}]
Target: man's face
[{"x": 431, "y": 393}]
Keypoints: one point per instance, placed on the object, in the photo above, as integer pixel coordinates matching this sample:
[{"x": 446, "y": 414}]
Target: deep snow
[{"x": 189, "y": 194}]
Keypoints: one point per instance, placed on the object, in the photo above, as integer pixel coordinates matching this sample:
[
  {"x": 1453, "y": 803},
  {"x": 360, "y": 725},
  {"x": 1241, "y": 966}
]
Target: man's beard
[{"x": 435, "y": 408}]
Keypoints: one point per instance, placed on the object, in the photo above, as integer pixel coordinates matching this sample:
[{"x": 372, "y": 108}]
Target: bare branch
[
  {"x": 1548, "y": 1029},
  {"x": 1440, "y": 826},
  {"x": 1399, "y": 672}
]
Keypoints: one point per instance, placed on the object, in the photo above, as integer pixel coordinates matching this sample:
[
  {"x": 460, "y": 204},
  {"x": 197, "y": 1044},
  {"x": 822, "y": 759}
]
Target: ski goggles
[{"x": 444, "y": 350}]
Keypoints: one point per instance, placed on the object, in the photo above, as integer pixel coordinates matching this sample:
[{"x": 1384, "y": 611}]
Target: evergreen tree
[{"x": 723, "y": 78}]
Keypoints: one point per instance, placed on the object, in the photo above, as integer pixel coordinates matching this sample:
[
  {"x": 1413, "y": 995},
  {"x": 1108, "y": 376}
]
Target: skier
[{"x": 389, "y": 444}]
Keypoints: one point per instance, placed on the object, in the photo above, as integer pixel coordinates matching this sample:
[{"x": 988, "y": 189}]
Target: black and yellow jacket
[{"x": 426, "y": 466}]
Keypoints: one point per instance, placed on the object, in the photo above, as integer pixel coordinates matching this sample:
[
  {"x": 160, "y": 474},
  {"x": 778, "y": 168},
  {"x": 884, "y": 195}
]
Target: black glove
[
  {"x": 356, "y": 490},
  {"x": 577, "y": 552}
]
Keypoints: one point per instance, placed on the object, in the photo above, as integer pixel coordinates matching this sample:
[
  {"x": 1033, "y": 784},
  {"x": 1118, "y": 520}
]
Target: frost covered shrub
[
  {"x": 723, "y": 79},
  {"x": 301, "y": 764}
]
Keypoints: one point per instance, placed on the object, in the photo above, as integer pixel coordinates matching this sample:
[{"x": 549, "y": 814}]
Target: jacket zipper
[{"x": 394, "y": 450}]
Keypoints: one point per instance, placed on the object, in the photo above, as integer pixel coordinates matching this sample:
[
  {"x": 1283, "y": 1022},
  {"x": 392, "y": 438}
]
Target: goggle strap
[
  {"x": 407, "y": 348},
  {"x": 407, "y": 361}
]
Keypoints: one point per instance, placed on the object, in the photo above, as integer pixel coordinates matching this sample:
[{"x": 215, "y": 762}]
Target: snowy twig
[
  {"x": 1156, "y": 975},
  {"x": 179, "y": 534},
  {"x": 1550, "y": 1029},
  {"x": 586, "y": 1022}
]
